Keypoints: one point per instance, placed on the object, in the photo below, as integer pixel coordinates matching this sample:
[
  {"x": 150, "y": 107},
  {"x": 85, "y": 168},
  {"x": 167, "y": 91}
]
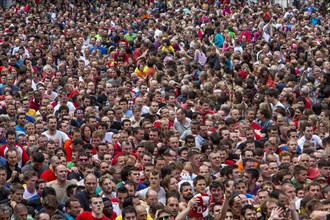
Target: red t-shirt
[
  {"x": 89, "y": 216},
  {"x": 48, "y": 175}
]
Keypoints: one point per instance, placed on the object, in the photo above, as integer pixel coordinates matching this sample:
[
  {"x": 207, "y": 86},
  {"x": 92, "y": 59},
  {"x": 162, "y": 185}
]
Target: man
[
  {"x": 129, "y": 213},
  {"x": 97, "y": 205},
  {"x": 30, "y": 177},
  {"x": 16, "y": 195},
  {"x": 199, "y": 184},
  {"x": 37, "y": 164},
  {"x": 240, "y": 186},
  {"x": 299, "y": 176},
  {"x": 324, "y": 166},
  {"x": 20, "y": 212},
  {"x": 5, "y": 211},
  {"x": 271, "y": 97},
  {"x": 106, "y": 186},
  {"x": 154, "y": 179},
  {"x": 202, "y": 135},
  {"x": 49, "y": 175},
  {"x": 217, "y": 191},
  {"x": 248, "y": 212},
  {"x": 11, "y": 143},
  {"x": 252, "y": 176},
  {"x": 4, "y": 188},
  {"x": 309, "y": 137},
  {"x": 172, "y": 204},
  {"x": 186, "y": 195},
  {"x": 73, "y": 208},
  {"x": 52, "y": 132},
  {"x": 193, "y": 157},
  {"x": 314, "y": 190},
  {"x": 84, "y": 196},
  {"x": 182, "y": 123},
  {"x": 122, "y": 194},
  {"x": 61, "y": 183},
  {"x": 63, "y": 100},
  {"x": 13, "y": 171}
]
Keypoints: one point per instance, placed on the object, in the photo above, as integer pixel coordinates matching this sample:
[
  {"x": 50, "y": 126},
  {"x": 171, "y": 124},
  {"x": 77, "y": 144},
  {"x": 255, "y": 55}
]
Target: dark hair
[
  {"x": 129, "y": 209},
  {"x": 246, "y": 207},
  {"x": 122, "y": 190},
  {"x": 38, "y": 157}
]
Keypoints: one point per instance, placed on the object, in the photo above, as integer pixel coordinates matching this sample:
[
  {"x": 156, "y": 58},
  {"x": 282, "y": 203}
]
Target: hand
[
  {"x": 228, "y": 193},
  {"x": 275, "y": 214},
  {"x": 75, "y": 169},
  {"x": 192, "y": 202},
  {"x": 14, "y": 174}
]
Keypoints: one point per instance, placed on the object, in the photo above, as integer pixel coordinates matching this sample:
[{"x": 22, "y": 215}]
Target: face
[
  {"x": 200, "y": 186},
  {"x": 90, "y": 184},
  {"x": 11, "y": 140},
  {"x": 3, "y": 177},
  {"x": 308, "y": 132},
  {"x": 229, "y": 215},
  {"x": 17, "y": 196},
  {"x": 173, "y": 205},
  {"x": 61, "y": 173},
  {"x": 12, "y": 158},
  {"x": 74, "y": 209},
  {"x": 304, "y": 160},
  {"x": 250, "y": 214},
  {"x": 273, "y": 168},
  {"x": 236, "y": 173},
  {"x": 301, "y": 177},
  {"x": 241, "y": 188},
  {"x": 121, "y": 197},
  {"x": 130, "y": 216},
  {"x": 97, "y": 205},
  {"x": 315, "y": 191},
  {"x": 173, "y": 184},
  {"x": 135, "y": 176}
]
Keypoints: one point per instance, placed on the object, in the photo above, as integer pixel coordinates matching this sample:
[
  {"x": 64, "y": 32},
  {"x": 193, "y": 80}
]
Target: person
[
  {"x": 37, "y": 164},
  {"x": 243, "y": 84},
  {"x": 96, "y": 212},
  {"x": 20, "y": 212},
  {"x": 129, "y": 213},
  {"x": 73, "y": 208},
  {"x": 5, "y": 211},
  {"x": 61, "y": 183},
  {"x": 11, "y": 138},
  {"x": 84, "y": 196}
]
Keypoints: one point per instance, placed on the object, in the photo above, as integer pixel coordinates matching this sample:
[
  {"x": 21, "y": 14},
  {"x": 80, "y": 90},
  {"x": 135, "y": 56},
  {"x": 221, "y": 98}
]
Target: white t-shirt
[{"x": 59, "y": 134}]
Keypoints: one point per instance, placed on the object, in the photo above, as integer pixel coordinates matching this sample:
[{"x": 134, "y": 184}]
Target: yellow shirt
[
  {"x": 31, "y": 113},
  {"x": 121, "y": 217}
]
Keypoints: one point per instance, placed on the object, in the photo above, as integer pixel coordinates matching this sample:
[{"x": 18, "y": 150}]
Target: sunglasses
[
  {"x": 165, "y": 217},
  {"x": 83, "y": 159}
]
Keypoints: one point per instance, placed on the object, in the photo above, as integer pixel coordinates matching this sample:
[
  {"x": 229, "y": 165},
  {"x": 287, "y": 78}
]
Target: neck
[
  {"x": 30, "y": 190},
  {"x": 156, "y": 188},
  {"x": 51, "y": 132},
  {"x": 108, "y": 195},
  {"x": 60, "y": 182},
  {"x": 97, "y": 215}
]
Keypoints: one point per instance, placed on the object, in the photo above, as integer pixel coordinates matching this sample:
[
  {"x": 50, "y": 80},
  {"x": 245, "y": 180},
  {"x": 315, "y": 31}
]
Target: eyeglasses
[{"x": 83, "y": 159}]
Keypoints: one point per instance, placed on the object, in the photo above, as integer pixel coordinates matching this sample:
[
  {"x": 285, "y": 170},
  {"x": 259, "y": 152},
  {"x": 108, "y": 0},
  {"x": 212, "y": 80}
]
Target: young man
[{"x": 96, "y": 205}]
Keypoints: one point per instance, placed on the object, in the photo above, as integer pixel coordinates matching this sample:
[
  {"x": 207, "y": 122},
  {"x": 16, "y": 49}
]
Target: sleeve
[
  {"x": 44, "y": 176},
  {"x": 25, "y": 156}
]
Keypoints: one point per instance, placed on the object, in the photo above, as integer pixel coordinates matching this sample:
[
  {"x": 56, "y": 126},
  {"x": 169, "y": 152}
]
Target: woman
[
  {"x": 86, "y": 133},
  {"x": 265, "y": 77}
]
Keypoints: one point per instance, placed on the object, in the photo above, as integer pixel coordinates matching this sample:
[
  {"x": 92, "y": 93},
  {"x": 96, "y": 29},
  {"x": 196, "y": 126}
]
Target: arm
[
  {"x": 182, "y": 215},
  {"x": 225, "y": 205}
]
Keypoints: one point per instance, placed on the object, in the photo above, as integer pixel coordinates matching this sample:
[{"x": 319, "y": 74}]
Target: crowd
[{"x": 146, "y": 109}]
